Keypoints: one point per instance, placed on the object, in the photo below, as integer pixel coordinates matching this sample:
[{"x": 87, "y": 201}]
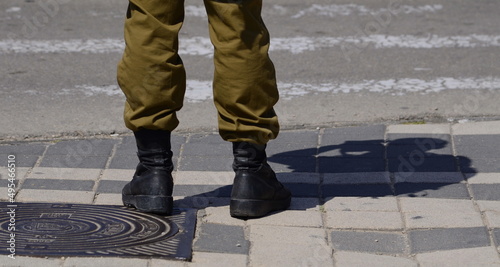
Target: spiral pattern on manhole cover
[{"x": 86, "y": 230}]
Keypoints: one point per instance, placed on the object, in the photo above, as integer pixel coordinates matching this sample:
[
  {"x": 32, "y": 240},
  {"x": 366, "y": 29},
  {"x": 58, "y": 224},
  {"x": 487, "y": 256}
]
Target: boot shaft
[
  {"x": 248, "y": 156},
  {"x": 154, "y": 148}
]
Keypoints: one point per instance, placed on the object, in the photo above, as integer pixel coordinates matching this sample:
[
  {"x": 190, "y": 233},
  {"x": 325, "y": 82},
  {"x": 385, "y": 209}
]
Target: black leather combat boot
[
  {"x": 151, "y": 187},
  {"x": 256, "y": 191}
]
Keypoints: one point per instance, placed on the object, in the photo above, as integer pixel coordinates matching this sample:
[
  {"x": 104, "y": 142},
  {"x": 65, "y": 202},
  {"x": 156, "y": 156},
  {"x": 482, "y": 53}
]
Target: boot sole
[
  {"x": 254, "y": 208},
  {"x": 151, "y": 204}
]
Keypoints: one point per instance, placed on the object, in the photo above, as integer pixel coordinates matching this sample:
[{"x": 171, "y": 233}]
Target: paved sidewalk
[{"x": 377, "y": 195}]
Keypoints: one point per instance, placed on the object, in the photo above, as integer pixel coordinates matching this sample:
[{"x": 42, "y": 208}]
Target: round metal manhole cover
[{"x": 43, "y": 229}]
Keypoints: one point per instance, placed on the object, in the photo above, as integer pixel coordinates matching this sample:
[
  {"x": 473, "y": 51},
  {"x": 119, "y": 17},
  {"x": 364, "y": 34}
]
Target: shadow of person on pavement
[{"x": 411, "y": 167}]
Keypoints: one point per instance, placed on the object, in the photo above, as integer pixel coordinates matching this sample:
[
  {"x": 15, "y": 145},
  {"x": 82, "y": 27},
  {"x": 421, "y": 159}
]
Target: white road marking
[
  {"x": 202, "y": 90},
  {"x": 13, "y": 9},
  {"x": 349, "y": 9},
  {"x": 333, "y": 10},
  {"x": 201, "y": 46}
]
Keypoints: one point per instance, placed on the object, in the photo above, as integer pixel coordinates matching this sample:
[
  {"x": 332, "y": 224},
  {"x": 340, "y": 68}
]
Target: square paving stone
[
  {"x": 56, "y": 184},
  {"x": 127, "y": 147},
  {"x": 345, "y": 258},
  {"x": 423, "y": 141},
  {"x": 496, "y": 234},
  {"x": 477, "y": 146},
  {"x": 74, "y": 161},
  {"x": 448, "y": 239},
  {"x": 303, "y": 190},
  {"x": 429, "y": 177},
  {"x": 124, "y": 162},
  {"x": 357, "y": 178},
  {"x": 207, "y": 145},
  {"x": 291, "y": 144},
  {"x": 432, "y": 190},
  {"x": 83, "y": 148},
  {"x": 21, "y": 160},
  {"x": 298, "y": 150},
  {"x": 292, "y": 164},
  {"x": 475, "y": 165},
  {"x": 203, "y": 190},
  {"x": 421, "y": 164},
  {"x": 373, "y": 134},
  {"x": 222, "y": 238},
  {"x": 486, "y": 191},
  {"x": 356, "y": 190},
  {"x": 195, "y": 163},
  {"x": 348, "y": 150},
  {"x": 23, "y": 148},
  {"x": 374, "y": 242},
  {"x": 339, "y": 165},
  {"x": 113, "y": 187},
  {"x": 409, "y": 151}
]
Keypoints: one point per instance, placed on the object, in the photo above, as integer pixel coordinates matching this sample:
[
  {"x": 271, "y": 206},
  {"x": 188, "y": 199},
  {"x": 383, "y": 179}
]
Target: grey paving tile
[
  {"x": 475, "y": 165},
  {"x": 374, "y": 242},
  {"x": 348, "y": 150},
  {"x": 126, "y": 147},
  {"x": 356, "y": 190},
  {"x": 432, "y": 190},
  {"x": 496, "y": 235},
  {"x": 425, "y": 141},
  {"x": 56, "y": 184},
  {"x": 74, "y": 161},
  {"x": 207, "y": 146},
  {"x": 23, "y": 148},
  {"x": 477, "y": 146},
  {"x": 336, "y": 165},
  {"x": 447, "y": 239},
  {"x": 83, "y": 148},
  {"x": 194, "y": 163},
  {"x": 429, "y": 177},
  {"x": 303, "y": 190},
  {"x": 293, "y": 164},
  {"x": 202, "y": 190},
  {"x": 21, "y": 160},
  {"x": 291, "y": 144},
  {"x": 298, "y": 177},
  {"x": 222, "y": 238},
  {"x": 409, "y": 151},
  {"x": 357, "y": 178},
  {"x": 345, "y": 258},
  {"x": 177, "y": 141},
  {"x": 295, "y": 150},
  {"x": 421, "y": 164},
  {"x": 123, "y": 162},
  {"x": 433, "y": 128},
  {"x": 113, "y": 187},
  {"x": 365, "y": 134},
  {"x": 486, "y": 191}
]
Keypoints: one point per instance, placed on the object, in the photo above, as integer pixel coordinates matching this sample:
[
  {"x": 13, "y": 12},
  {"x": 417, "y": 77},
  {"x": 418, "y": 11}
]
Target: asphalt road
[{"x": 338, "y": 62}]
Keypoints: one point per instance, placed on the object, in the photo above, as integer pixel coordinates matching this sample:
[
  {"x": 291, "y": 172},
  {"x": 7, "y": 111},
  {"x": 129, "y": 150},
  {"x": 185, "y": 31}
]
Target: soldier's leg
[
  {"x": 244, "y": 83},
  {"x": 152, "y": 77},
  {"x": 245, "y": 92},
  {"x": 151, "y": 73}
]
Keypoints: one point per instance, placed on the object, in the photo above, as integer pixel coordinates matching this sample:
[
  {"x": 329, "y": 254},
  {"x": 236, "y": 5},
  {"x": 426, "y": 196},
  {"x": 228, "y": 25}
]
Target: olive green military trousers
[{"x": 152, "y": 76}]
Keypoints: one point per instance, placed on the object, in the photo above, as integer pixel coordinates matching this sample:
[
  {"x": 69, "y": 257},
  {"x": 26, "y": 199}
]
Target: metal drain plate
[{"x": 43, "y": 229}]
